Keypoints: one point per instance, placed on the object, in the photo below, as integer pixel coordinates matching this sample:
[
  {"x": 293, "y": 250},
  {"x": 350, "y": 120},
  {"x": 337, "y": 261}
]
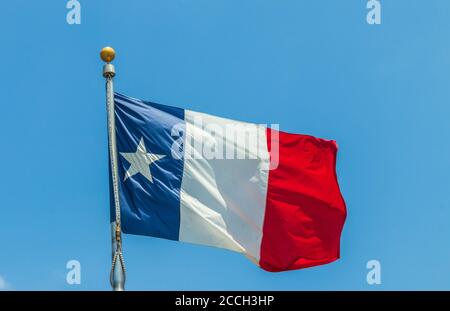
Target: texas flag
[{"x": 193, "y": 177}]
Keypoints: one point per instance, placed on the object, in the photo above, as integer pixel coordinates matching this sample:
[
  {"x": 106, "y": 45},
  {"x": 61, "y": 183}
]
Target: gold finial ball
[{"x": 107, "y": 54}]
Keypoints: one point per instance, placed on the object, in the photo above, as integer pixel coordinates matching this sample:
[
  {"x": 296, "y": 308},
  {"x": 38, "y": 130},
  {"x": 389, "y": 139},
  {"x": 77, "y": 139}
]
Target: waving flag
[{"x": 197, "y": 178}]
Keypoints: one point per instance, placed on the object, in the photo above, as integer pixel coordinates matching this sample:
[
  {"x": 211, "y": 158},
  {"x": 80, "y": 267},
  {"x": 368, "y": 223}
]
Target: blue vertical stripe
[{"x": 150, "y": 208}]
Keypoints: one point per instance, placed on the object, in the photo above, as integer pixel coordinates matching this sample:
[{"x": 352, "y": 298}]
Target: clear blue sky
[{"x": 314, "y": 67}]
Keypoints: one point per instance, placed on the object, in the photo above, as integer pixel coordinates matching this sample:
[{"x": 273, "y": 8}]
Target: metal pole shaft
[
  {"x": 117, "y": 276},
  {"x": 117, "y": 273}
]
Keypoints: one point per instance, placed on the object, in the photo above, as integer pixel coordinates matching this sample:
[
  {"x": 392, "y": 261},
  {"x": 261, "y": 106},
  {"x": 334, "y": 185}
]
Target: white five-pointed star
[{"x": 140, "y": 161}]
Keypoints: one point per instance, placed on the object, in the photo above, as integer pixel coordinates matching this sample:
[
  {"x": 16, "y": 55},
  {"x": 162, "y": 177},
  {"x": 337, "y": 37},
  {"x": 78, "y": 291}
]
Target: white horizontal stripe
[{"x": 223, "y": 200}]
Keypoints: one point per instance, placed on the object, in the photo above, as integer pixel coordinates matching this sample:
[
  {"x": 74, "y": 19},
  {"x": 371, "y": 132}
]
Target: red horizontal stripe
[{"x": 305, "y": 211}]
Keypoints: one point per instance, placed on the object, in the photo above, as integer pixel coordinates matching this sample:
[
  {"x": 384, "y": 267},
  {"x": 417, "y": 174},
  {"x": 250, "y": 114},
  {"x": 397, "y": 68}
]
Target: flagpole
[{"x": 117, "y": 275}]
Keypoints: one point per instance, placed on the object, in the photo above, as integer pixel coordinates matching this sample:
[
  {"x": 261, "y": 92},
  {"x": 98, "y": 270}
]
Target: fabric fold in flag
[{"x": 197, "y": 178}]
